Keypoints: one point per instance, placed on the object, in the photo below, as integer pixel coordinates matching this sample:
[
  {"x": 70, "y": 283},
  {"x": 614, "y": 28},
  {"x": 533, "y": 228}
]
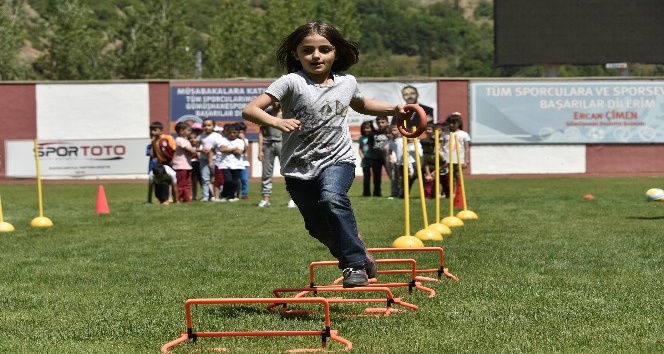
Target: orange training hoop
[{"x": 420, "y": 127}]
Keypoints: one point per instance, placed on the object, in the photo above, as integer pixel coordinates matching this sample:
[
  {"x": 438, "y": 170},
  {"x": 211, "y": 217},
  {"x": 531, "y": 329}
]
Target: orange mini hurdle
[
  {"x": 389, "y": 298},
  {"x": 412, "y": 284},
  {"x": 193, "y": 336},
  {"x": 441, "y": 270}
]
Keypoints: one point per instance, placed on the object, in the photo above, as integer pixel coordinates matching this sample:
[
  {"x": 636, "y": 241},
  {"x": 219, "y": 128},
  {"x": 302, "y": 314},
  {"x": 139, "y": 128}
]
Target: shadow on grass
[{"x": 645, "y": 217}]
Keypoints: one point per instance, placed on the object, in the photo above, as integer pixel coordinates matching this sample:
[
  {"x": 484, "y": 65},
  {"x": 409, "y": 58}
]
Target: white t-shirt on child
[{"x": 229, "y": 160}]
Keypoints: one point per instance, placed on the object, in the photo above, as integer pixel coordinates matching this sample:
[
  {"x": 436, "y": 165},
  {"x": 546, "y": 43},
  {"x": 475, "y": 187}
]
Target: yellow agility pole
[
  {"x": 4, "y": 226},
  {"x": 436, "y": 226},
  {"x": 41, "y": 220},
  {"x": 465, "y": 214},
  {"x": 407, "y": 240},
  {"x": 451, "y": 221},
  {"x": 406, "y": 191},
  {"x": 425, "y": 234}
]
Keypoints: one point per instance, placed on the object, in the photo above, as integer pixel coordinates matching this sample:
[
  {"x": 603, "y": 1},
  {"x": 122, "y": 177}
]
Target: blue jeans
[
  {"x": 244, "y": 178},
  {"x": 328, "y": 215},
  {"x": 205, "y": 179}
]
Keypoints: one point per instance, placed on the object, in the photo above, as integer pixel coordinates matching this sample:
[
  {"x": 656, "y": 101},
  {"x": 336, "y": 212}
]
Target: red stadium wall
[
  {"x": 18, "y": 116},
  {"x": 159, "y": 104},
  {"x": 453, "y": 97},
  {"x": 624, "y": 159}
]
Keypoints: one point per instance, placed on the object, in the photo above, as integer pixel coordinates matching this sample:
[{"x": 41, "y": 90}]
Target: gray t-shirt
[
  {"x": 270, "y": 134},
  {"x": 324, "y": 138}
]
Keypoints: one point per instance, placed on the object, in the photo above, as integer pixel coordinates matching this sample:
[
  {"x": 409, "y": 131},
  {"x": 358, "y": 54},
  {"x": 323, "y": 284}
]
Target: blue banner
[{"x": 221, "y": 101}]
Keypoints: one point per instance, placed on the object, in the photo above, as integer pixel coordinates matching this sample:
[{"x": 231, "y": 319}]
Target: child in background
[
  {"x": 217, "y": 174},
  {"x": 365, "y": 143},
  {"x": 152, "y": 161},
  {"x": 182, "y": 161},
  {"x": 162, "y": 175},
  {"x": 209, "y": 145},
  {"x": 163, "y": 145},
  {"x": 318, "y": 158},
  {"x": 391, "y": 156},
  {"x": 428, "y": 143},
  {"x": 244, "y": 174},
  {"x": 442, "y": 128},
  {"x": 411, "y": 164},
  {"x": 231, "y": 164},
  {"x": 455, "y": 126},
  {"x": 196, "y": 179},
  {"x": 162, "y": 149}
]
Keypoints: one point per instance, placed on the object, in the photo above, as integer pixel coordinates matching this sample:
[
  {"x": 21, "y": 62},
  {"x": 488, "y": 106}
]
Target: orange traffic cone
[
  {"x": 102, "y": 204},
  {"x": 458, "y": 196}
]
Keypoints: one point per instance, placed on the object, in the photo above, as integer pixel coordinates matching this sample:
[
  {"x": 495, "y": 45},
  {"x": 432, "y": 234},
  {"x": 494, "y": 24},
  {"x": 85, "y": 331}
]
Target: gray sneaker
[{"x": 354, "y": 277}]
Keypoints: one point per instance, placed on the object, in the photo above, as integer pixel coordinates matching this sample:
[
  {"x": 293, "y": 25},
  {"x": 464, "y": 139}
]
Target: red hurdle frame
[
  {"x": 412, "y": 284},
  {"x": 192, "y": 335},
  {"x": 389, "y": 298},
  {"x": 441, "y": 270}
]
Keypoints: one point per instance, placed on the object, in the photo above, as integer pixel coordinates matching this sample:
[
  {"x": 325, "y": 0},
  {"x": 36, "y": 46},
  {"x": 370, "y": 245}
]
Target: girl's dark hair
[
  {"x": 180, "y": 126},
  {"x": 454, "y": 118},
  {"x": 365, "y": 124},
  {"x": 347, "y": 52},
  {"x": 158, "y": 170}
]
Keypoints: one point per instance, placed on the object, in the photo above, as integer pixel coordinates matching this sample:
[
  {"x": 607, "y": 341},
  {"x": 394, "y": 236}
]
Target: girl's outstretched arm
[
  {"x": 377, "y": 108},
  {"x": 255, "y": 113}
]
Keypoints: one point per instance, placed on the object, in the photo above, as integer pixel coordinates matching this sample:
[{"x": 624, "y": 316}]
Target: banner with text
[
  {"x": 77, "y": 158},
  {"x": 221, "y": 101},
  {"x": 581, "y": 112}
]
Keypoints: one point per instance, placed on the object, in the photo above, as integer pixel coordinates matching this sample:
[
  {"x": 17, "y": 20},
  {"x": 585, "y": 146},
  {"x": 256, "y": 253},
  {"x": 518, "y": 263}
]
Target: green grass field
[{"x": 543, "y": 270}]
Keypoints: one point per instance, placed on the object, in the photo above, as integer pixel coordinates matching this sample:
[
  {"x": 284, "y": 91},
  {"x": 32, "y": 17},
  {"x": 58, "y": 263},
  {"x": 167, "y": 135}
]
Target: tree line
[{"x": 191, "y": 39}]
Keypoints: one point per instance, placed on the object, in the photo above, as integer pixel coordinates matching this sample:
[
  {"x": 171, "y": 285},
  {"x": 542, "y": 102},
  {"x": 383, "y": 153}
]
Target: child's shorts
[{"x": 218, "y": 177}]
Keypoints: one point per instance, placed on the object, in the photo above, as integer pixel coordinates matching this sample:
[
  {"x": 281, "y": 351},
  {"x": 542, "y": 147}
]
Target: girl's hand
[
  {"x": 287, "y": 125},
  {"x": 399, "y": 112}
]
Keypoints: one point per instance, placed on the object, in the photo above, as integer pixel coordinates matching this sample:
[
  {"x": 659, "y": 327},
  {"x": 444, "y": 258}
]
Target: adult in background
[
  {"x": 411, "y": 96},
  {"x": 269, "y": 148},
  {"x": 380, "y": 139}
]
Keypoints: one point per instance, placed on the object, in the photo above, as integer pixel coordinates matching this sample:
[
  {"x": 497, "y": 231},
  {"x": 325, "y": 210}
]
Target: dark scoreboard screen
[{"x": 531, "y": 32}]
